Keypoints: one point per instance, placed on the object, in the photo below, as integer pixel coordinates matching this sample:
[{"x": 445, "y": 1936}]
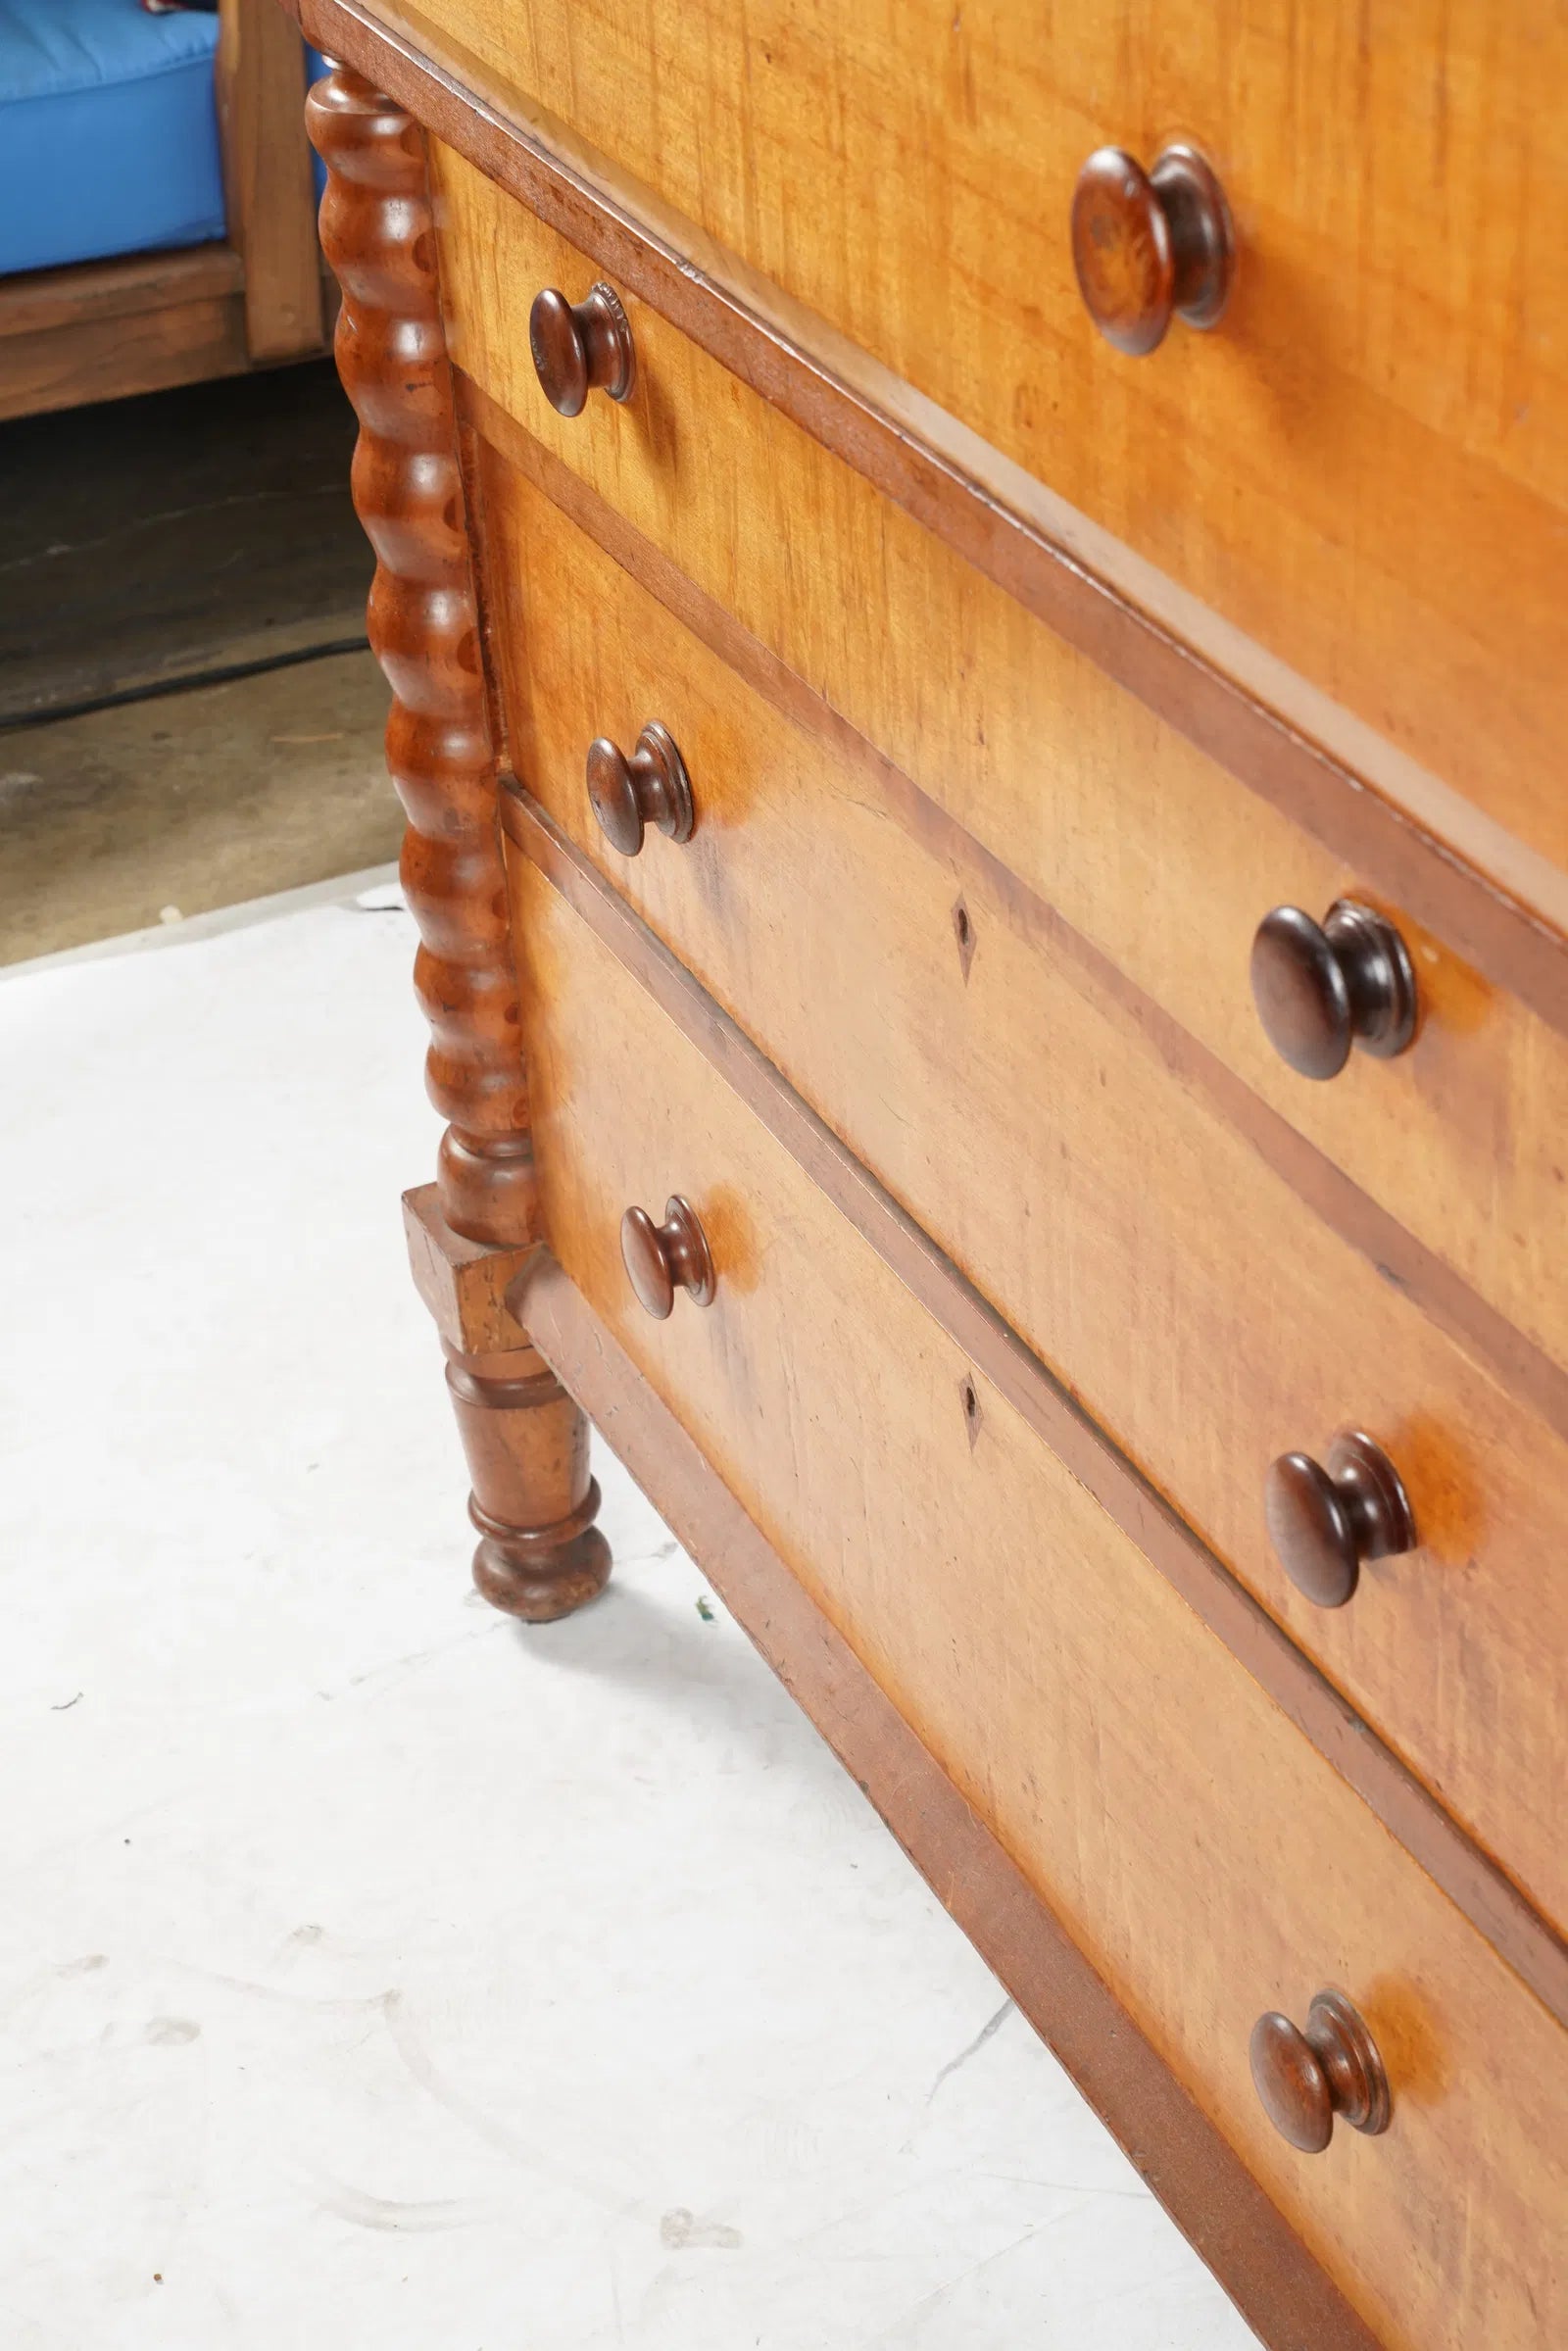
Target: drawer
[
  {"x": 1365, "y": 467},
  {"x": 1155, "y": 853},
  {"x": 1028, "y": 1119},
  {"x": 1208, "y": 1860}
]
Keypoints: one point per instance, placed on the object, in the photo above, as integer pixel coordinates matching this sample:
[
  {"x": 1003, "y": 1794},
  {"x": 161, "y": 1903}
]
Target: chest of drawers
[{"x": 970, "y": 599}]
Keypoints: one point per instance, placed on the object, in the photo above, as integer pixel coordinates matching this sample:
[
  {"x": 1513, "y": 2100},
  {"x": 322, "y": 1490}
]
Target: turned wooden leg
[
  {"x": 533, "y": 1502},
  {"x": 540, "y": 1554}
]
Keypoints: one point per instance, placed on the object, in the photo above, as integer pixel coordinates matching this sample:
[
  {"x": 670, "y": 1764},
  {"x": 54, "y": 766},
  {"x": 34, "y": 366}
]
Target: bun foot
[{"x": 540, "y": 1573}]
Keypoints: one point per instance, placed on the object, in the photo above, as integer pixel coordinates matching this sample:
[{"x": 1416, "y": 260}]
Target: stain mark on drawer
[{"x": 963, "y": 932}]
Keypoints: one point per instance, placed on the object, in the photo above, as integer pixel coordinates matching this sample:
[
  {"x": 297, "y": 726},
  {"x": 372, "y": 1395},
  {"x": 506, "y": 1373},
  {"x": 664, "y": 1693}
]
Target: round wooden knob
[
  {"x": 1149, "y": 245},
  {"x": 652, "y": 787},
  {"x": 581, "y": 347},
  {"x": 1324, "y": 1522},
  {"x": 1305, "y": 2079},
  {"x": 1320, "y": 990},
  {"x": 660, "y": 1258}
]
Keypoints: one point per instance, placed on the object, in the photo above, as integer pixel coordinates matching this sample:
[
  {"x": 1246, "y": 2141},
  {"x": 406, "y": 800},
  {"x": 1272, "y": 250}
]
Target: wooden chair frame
[{"x": 145, "y": 320}]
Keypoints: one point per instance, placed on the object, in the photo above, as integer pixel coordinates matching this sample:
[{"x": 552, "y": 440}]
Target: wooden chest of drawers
[{"x": 993, "y": 900}]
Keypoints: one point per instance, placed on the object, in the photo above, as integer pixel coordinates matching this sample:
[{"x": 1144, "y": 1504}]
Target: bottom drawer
[{"x": 1199, "y": 1850}]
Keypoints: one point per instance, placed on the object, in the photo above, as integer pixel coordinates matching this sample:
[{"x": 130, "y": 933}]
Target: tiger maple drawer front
[
  {"x": 1364, "y": 464},
  {"x": 1212, "y": 1866},
  {"x": 1154, "y": 852},
  {"x": 1031, "y": 1124}
]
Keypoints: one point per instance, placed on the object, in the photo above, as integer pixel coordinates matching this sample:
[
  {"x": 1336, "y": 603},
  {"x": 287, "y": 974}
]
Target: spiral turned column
[
  {"x": 377, "y": 233},
  {"x": 533, "y": 1502}
]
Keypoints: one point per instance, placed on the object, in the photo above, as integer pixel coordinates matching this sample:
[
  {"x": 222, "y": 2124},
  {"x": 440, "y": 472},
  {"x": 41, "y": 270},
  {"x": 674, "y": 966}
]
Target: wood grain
[
  {"x": 1466, "y": 1874},
  {"x": 1149, "y": 850},
  {"x": 42, "y": 300},
  {"x": 1207, "y": 1319},
  {"x": 1213, "y": 2199},
  {"x": 1400, "y": 1256},
  {"x": 1287, "y": 741},
  {"x": 1209, "y": 1864},
  {"x": 105, "y": 329},
  {"x": 269, "y": 187},
  {"x": 1365, "y": 467},
  {"x": 1145, "y": 847}
]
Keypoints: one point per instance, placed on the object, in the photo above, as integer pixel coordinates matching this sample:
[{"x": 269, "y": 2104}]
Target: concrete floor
[
  {"x": 192, "y": 801},
  {"x": 374, "y": 1970},
  {"x": 153, "y": 543},
  {"x": 167, "y": 536}
]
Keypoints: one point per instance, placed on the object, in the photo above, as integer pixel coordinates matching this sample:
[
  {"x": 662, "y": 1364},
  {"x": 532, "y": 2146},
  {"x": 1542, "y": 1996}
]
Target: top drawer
[{"x": 1365, "y": 467}]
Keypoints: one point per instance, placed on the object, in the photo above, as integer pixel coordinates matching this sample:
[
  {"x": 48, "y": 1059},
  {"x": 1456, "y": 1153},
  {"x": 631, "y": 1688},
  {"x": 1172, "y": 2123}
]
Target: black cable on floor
[{"x": 161, "y": 687}]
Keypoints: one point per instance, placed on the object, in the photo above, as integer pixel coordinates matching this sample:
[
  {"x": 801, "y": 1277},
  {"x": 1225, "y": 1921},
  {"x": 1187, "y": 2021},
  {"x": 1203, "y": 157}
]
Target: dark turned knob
[
  {"x": 1324, "y": 1522},
  {"x": 652, "y": 787},
  {"x": 1319, "y": 990},
  {"x": 1305, "y": 2079},
  {"x": 1147, "y": 245},
  {"x": 660, "y": 1258},
  {"x": 581, "y": 347}
]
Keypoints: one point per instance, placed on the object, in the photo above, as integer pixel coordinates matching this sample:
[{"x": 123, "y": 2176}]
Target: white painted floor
[{"x": 373, "y": 1971}]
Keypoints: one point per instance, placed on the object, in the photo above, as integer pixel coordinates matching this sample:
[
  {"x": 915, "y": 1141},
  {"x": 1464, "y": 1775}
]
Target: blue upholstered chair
[{"x": 157, "y": 198}]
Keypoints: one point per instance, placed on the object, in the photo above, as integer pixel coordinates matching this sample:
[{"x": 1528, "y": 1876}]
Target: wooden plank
[
  {"x": 1289, "y": 742},
  {"x": 1209, "y": 2194},
  {"x": 1470, "y": 1879},
  {"x": 1148, "y": 849},
  {"x": 41, "y": 298},
  {"x": 268, "y": 182},
  {"x": 1207, "y": 1861},
  {"x": 1364, "y": 467},
  {"x": 109, "y": 357},
  {"x": 1024, "y": 1116}
]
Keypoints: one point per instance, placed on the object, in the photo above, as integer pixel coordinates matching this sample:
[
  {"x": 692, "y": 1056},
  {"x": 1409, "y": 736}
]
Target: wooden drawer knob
[
  {"x": 581, "y": 347},
  {"x": 1324, "y": 1522},
  {"x": 652, "y": 787},
  {"x": 1319, "y": 990},
  {"x": 1151, "y": 245},
  {"x": 660, "y": 1258},
  {"x": 1305, "y": 2079}
]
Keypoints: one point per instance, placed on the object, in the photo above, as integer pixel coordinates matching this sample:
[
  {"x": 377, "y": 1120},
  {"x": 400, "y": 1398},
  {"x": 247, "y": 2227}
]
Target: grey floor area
[{"x": 202, "y": 541}]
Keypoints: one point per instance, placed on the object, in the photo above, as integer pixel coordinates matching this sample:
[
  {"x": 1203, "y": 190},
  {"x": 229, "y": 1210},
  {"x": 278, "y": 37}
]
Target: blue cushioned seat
[{"x": 108, "y": 132}]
